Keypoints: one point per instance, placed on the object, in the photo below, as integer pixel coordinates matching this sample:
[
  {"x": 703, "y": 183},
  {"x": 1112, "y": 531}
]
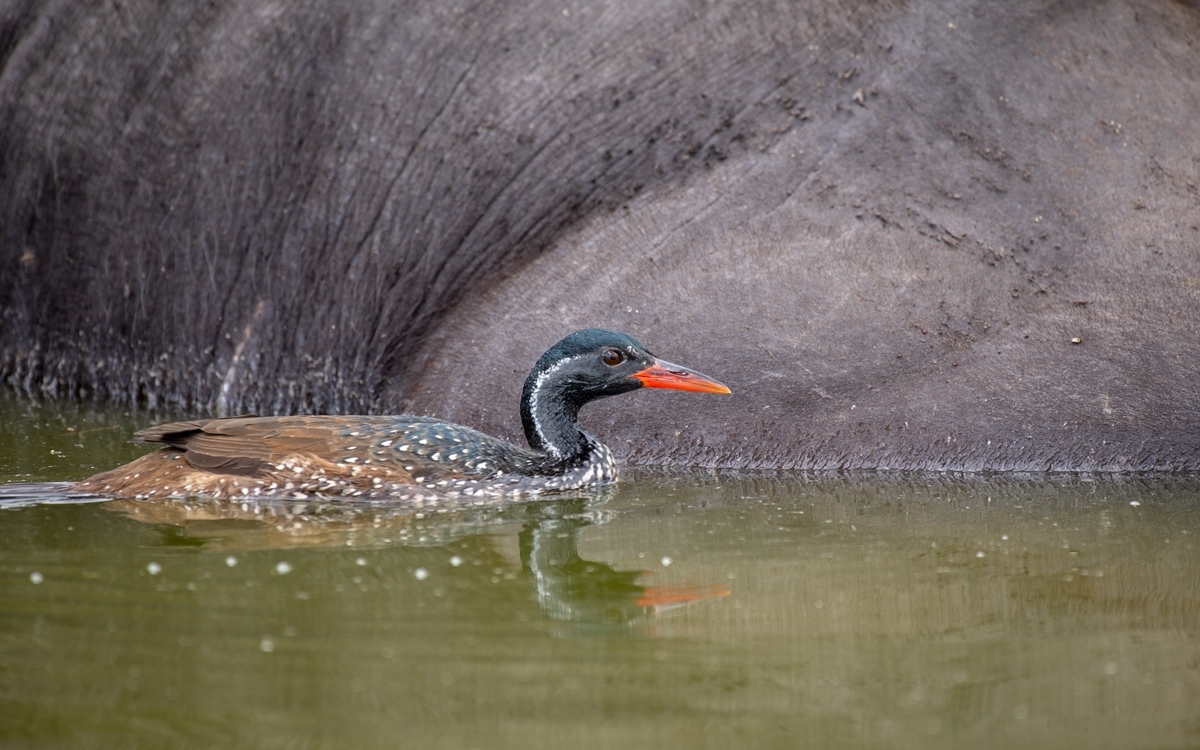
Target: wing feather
[{"x": 245, "y": 445}]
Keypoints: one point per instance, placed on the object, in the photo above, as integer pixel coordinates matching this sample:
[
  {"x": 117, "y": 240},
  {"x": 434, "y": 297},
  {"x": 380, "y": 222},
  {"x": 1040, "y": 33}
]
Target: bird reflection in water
[
  {"x": 567, "y": 587},
  {"x": 570, "y": 588}
]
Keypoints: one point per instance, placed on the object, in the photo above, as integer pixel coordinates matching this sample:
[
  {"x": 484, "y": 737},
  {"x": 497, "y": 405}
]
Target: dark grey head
[{"x": 585, "y": 366}]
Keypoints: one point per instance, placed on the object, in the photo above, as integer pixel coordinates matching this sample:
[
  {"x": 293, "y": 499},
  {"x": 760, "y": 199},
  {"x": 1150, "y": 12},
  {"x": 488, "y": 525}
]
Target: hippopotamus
[{"x": 948, "y": 235}]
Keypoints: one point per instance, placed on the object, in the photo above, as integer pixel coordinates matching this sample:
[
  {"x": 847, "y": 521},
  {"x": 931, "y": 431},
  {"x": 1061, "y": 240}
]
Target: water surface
[{"x": 677, "y": 611}]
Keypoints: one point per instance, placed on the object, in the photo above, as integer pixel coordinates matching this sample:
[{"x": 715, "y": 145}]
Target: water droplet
[
  {"x": 153, "y": 568},
  {"x": 360, "y": 562},
  {"x": 420, "y": 574},
  {"x": 456, "y": 561},
  {"x": 35, "y": 578},
  {"x": 231, "y": 561},
  {"x": 283, "y": 567},
  {"x": 666, "y": 561}
]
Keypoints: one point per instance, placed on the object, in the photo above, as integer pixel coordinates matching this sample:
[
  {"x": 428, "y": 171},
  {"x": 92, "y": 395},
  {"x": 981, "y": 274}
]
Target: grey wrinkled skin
[{"x": 908, "y": 235}]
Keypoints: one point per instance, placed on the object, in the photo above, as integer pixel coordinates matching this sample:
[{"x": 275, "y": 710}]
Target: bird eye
[{"x": 614, "y": 357}]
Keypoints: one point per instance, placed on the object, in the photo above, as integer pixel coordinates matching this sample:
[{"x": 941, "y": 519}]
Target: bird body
[{"x": 407, "y": 458}]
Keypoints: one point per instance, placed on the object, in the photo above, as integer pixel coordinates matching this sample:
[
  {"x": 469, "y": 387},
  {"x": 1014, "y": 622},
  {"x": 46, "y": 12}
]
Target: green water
[{"x": 678, "y": 611}]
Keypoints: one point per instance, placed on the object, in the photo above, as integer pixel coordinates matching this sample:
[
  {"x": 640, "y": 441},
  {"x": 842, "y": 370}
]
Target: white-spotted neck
[{"x": 550, "y": 415}]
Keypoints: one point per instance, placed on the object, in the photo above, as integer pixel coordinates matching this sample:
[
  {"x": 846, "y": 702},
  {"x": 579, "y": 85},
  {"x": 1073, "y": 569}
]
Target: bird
[{"x": 419, "y": 460}]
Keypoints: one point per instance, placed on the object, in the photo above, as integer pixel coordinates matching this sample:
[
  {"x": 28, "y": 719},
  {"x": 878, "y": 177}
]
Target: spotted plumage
[{"x": 414, "y": 459}]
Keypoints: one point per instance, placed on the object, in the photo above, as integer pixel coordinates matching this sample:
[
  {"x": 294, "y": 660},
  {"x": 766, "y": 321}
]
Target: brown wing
[{"x": 245, "y": 445}]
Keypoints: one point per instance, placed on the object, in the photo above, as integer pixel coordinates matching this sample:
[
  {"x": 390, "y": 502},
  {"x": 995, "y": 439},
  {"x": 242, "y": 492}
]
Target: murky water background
[{"x": 677, "y": 611}]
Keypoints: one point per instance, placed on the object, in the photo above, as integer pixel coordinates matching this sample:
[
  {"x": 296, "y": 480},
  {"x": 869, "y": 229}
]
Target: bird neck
[{"x": 550, "y": 415}]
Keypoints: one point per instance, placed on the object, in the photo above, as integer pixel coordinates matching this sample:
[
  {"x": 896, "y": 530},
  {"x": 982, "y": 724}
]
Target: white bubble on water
[
  {"x": 35, "y": 578},
  {"x": 420, "y": 574},
  {"x": 456, "y": 561},
  {"x": 231, "y": 561},
  {"x": 153, "y": 568},
  {"x": 666, "y": 561},
  {"x": 360, "y": 562},
  {"x": 267, "y": 644},
  {"x": 283, "y": 567}
]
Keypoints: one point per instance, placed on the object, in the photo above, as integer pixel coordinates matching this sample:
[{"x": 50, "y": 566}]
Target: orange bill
[
  {"x": 667, "y": 597},
  {"x": 666, "y": 375}
]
